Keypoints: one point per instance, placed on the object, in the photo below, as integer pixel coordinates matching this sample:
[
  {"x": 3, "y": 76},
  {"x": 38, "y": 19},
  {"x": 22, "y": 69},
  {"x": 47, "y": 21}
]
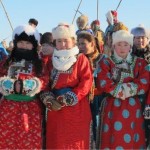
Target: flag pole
[
  {"x": 6, "y": 15},
  {"x": 97, "y": 9},
  {"x": 118, "y": 5},
  {"x": 76, "y": 11}
]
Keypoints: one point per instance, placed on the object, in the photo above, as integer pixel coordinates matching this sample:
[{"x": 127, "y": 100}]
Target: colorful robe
[
  {"x": 69, "y": 128},
  {"x": 21, "y": 114},
  {"x": 122, "y": 121}
]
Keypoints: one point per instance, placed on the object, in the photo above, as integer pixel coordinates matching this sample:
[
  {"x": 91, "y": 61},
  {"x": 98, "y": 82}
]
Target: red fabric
[
  {"x": 21, "y": 122},
  {"x": 15, "y": 133},
  {"x": 69, "y": 127},
  {"x": 97, "y": 92},
  {"x": 122, "y": 120}
]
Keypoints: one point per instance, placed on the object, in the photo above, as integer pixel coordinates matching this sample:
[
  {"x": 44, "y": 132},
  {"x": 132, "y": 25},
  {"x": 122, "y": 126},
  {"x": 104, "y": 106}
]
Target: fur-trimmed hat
[
  {"x": 47, "y": 38},
  {"x": 140, "y": 31},
  {"x": 82, "y": 22},
  {"x": 26, "y": 33},
  {"x": 63, "y": 30},
  {"x": 122, "y": 35},
  {"x": 111, "y": 15},
  {"x": 119, "y": 26}
]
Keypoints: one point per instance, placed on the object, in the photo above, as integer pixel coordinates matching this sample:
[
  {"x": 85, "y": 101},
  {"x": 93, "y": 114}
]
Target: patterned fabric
[
  {"x": 20, "y": 125},
  {"x": 21, "y": 121},
  {"x": 122, "y": 121},
  {"x": 30, "y": 86}
]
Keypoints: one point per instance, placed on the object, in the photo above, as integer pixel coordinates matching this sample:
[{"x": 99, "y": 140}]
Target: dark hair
[
  {"x": 89, "y": 38},
  {"x": 47, "y": 38},
  {"x": 23, "y": 36},
  {"x": 33, "y": 21}
]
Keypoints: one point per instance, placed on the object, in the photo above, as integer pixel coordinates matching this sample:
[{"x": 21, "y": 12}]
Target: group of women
[{"x": 68, "y": 81}]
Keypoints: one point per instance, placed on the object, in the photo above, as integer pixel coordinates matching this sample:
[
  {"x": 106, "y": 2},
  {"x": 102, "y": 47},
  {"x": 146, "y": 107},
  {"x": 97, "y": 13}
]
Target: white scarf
[{"x": 63, "y": 59}]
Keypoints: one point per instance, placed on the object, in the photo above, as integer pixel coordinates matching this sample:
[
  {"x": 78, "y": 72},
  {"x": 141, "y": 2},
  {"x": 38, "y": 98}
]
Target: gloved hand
[
  {"x": 146, "y": 112},
  {"x": 50, "y": 102},
  {"x": 120, "y": 93},
  {"x": 68, "y": 99}
]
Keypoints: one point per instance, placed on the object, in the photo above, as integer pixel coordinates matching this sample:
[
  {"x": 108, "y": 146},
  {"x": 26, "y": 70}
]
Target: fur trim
[
  {"x": 110, "y": 18},
  {"x": 82, "y": 22},
  {"x": 122, "y": 35},
  {"x": 6, "y": 85},
  {"x": 32, "y": 86},
  {"x": 140, "y": 31},
  {"x": 28, "y": 29},
  {"x": 64, "y": 30}
]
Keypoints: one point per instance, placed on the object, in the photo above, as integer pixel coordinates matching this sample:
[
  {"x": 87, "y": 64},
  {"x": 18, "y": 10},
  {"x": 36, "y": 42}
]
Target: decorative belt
[
  {"x": 19, "y": 97},
  {"x": 62, "y": 91}
]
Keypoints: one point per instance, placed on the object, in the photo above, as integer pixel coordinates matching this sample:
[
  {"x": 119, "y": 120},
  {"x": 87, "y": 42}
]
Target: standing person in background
[
  {"x": 82, "y": 24},
  {"x": 22, "y": 77},
  {"x": 98, "y": 33},
  {"x": 87, "y": 45},
  {"x": 69, "y": 116},
  {"x": 10, "y": 47},
  {"x": 141, "y": 48},
  {"x": 123, "y": 78},
  {"x": 47, "y": 46},
  {"x": 33, "y": 22},
  {"x": 3, "y": 53}
]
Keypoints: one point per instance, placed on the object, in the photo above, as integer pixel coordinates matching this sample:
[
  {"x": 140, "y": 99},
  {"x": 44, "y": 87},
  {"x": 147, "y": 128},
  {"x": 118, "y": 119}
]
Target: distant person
[
  {"x": 3, "y": 52},
  {"x": 47, "y": 47},
  {"x": 98, "y": 33},
  {"x": 10, "y": 47},
  {"x": 33, "y": 22},
  {"x": 141, "y": 48},
  {"x": 82, "y": 24}
]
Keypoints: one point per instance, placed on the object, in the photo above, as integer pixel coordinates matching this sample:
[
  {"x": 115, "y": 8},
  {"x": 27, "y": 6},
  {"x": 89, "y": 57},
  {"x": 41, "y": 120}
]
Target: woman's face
[
  {"x": 85, "y": 46},
  {"x": 122, "y": 49},
  {"x": 140, "y": 42},
  {"x": 47, "y": 49},
  {"x": 25, "y": 45},
  {"x": 65, "y": 43}
]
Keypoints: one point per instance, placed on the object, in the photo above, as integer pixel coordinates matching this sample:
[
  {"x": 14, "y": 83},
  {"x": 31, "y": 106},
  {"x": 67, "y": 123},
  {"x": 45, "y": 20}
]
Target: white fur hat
[
  {"x": 110, "y": 18},
  {"x": 122, "y": 35},
  {"x": 28, "y": 29},
  {"x": 63, "y": 30}
]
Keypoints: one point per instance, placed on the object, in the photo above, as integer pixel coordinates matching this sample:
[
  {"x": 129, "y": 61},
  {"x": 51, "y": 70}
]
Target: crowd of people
[{"x": 76, "y": 89}]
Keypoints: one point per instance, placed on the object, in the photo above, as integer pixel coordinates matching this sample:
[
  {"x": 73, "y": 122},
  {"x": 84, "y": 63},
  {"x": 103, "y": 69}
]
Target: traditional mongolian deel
[
  {"x": 122, "y": 121},
  {"x": 20, "y": 113},
  {"x": 69, "y": 127},
  {"x": 20, "y": 82}
]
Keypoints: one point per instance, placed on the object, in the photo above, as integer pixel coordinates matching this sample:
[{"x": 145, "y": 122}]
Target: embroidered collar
[{"x": 118, "y": 60}]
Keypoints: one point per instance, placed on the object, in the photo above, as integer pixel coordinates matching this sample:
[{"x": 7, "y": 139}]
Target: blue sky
[{"x": 50, "y": 12}]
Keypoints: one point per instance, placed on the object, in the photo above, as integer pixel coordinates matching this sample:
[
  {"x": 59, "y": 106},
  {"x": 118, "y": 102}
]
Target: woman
[
  {"x": 89, "y": 46},
  {"x": 123, "y": 78},
  {"x": 22, "y": 78},
  {"x": 68, "y": 118}
]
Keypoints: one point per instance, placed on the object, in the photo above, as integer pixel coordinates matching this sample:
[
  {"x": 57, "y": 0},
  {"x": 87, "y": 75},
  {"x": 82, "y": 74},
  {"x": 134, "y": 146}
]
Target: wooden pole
[
  {"x": 118, "y": 5},
  {"x": 97, "y": 10},
  {"x": 6, "y": 15},
  {"x": 76, "y": 11}
]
